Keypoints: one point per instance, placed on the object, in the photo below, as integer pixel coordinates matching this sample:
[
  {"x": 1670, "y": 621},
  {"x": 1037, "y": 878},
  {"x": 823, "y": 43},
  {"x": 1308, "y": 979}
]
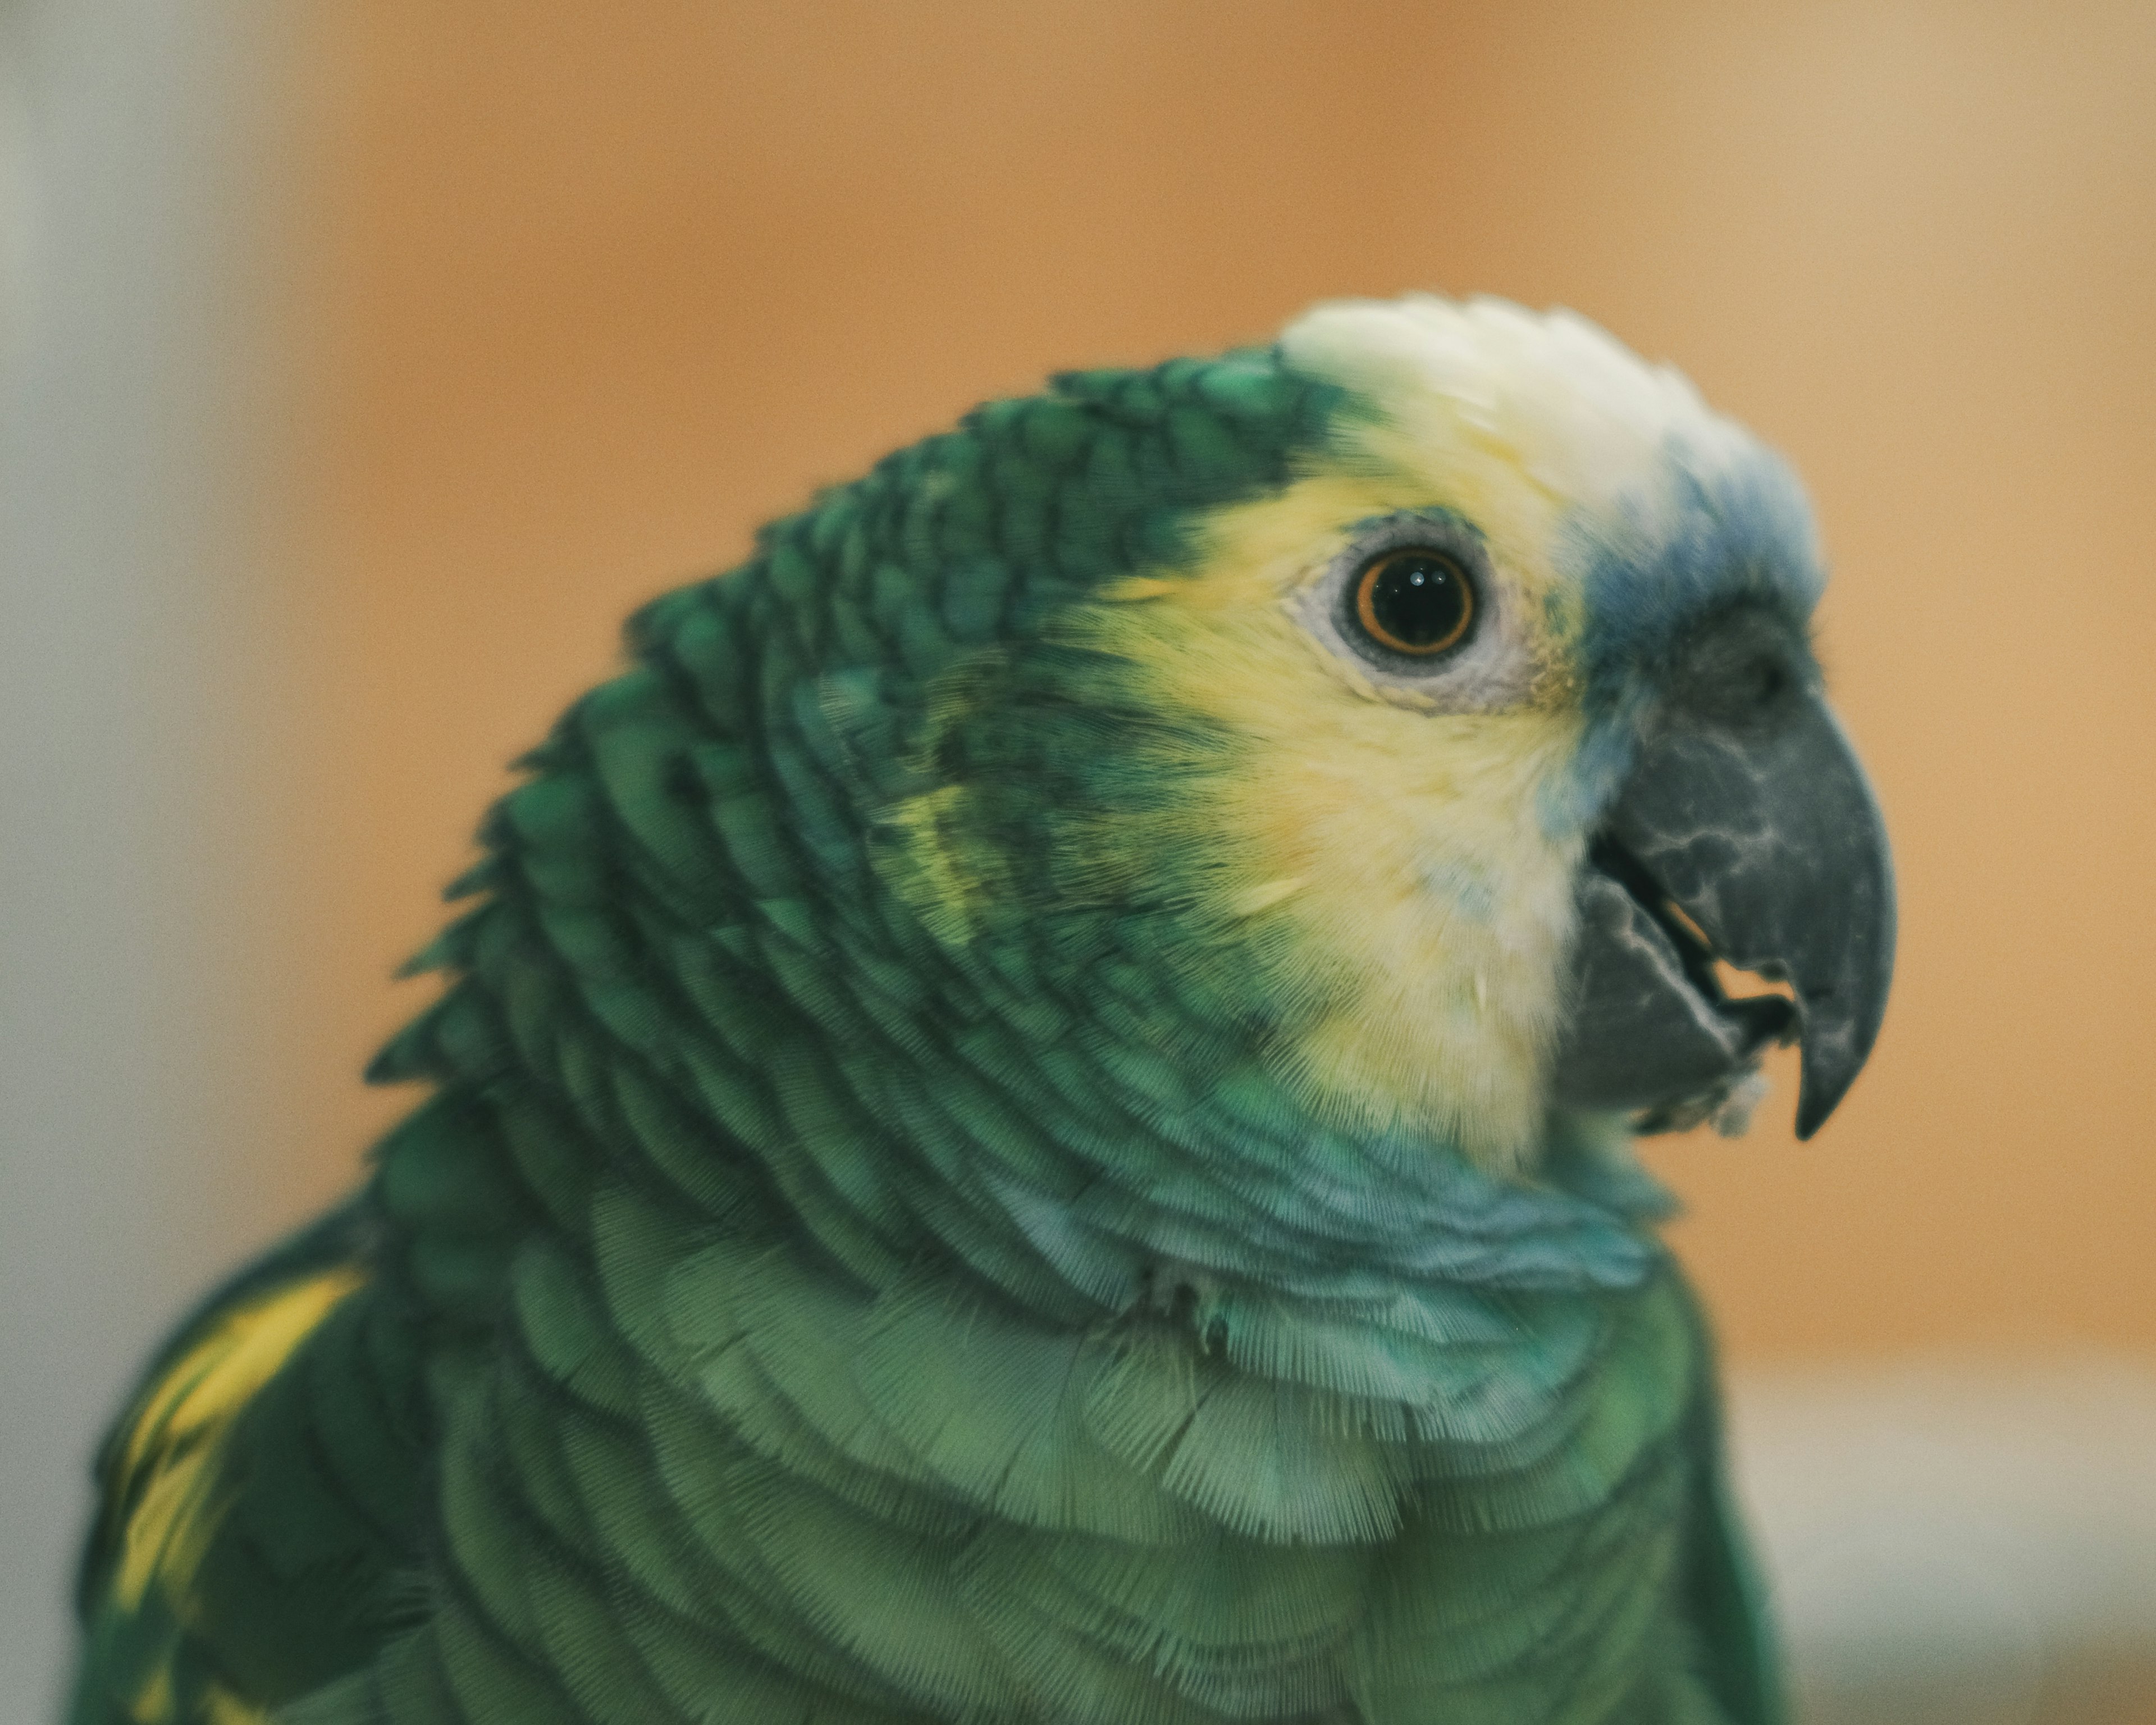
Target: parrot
[{"x": 1031, "y": 1116}]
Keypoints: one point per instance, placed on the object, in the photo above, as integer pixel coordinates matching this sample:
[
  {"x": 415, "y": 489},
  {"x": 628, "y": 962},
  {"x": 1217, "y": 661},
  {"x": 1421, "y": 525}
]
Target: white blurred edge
[
  {"x": 1961, "y": 1538},
  {"x": 137, "y": 164}
]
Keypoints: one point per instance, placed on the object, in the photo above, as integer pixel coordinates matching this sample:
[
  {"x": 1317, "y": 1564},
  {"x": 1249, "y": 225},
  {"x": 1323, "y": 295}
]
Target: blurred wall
[
  {"x": 144, "y": 1110},
  {"x": 593, "y": 290}
]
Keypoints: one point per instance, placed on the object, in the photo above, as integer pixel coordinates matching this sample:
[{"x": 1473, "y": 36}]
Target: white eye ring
[{"x": 1490, "y": 666}]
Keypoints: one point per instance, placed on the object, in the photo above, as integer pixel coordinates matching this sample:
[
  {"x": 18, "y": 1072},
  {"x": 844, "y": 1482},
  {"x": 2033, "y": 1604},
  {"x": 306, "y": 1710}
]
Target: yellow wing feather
[{"x": 170, "y": 1471}]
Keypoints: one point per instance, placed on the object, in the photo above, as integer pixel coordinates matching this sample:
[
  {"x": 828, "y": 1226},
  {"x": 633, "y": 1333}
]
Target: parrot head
[{"x": 1443, "y": 767}]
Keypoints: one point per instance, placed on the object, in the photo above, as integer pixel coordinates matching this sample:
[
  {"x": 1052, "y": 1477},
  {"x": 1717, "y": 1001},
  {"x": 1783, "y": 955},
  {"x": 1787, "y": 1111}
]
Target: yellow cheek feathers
[{"x": 1413, "y": 912}]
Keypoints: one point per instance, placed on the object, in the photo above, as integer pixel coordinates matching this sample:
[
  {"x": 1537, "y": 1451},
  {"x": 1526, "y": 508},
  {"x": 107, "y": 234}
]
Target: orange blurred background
[
  {"x": 362, "y": 366},
  {"x": 582, "y": 293}
]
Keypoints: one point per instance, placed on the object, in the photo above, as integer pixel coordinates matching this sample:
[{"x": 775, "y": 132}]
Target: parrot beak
[{"x": 1746, "y": 833}]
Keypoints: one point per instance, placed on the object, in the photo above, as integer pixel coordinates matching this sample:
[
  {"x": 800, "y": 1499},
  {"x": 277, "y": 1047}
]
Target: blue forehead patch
[{"x": 1651, "y": 568}]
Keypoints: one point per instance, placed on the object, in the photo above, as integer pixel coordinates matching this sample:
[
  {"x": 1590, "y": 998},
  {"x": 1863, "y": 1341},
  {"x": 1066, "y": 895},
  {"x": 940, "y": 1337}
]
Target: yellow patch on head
[
  {"x": 1386, "y": 827},
  {"x": 943, "y": 880},
  {"x": 1426, "y": 912},
  {"x": 175, "y": 1443}
]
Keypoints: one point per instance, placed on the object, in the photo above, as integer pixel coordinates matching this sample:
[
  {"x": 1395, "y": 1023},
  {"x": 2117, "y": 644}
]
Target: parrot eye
[{"x": 1414, "y": 600}]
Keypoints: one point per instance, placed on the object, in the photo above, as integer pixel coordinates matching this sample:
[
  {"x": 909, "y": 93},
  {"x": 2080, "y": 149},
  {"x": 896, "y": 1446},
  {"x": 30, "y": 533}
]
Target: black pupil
[{"x": 1419, "y": 598}]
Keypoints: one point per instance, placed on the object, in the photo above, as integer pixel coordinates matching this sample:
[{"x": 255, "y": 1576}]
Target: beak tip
[
  {"x": 1827, "y": 1073},
  {"x": 1817, "y": 1101}
]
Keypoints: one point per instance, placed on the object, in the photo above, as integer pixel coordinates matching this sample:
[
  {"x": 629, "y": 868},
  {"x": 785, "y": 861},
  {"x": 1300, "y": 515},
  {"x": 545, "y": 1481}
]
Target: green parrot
[{"x": 1030, "y": 1118}]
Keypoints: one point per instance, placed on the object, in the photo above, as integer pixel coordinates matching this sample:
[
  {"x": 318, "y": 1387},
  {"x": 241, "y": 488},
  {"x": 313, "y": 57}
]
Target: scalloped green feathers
[{"x": 880, "y": 1245}]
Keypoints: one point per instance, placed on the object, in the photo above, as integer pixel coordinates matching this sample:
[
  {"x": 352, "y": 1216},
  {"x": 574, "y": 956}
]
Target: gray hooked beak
[{"x": 1746, "y": 820}]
